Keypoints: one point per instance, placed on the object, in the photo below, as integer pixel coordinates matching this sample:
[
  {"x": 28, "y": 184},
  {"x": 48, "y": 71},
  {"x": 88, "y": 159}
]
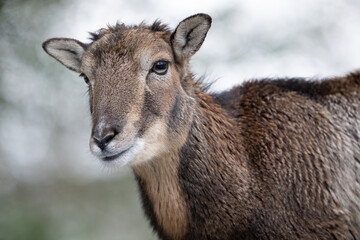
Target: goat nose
[{"x": 103, "y": 140}]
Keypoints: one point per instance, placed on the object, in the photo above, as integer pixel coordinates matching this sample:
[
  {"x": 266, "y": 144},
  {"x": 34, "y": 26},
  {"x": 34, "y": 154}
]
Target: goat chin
[{"x": 124, "y": 157}]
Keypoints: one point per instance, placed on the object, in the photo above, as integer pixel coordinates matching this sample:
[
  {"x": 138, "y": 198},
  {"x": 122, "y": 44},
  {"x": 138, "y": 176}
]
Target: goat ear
[
  {"x": 189, "y": 36},
  {"x": 66, "y": 50}
]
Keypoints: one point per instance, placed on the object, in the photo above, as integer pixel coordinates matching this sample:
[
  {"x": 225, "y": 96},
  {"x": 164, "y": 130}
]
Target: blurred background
[{"x": 50, "y": 185}]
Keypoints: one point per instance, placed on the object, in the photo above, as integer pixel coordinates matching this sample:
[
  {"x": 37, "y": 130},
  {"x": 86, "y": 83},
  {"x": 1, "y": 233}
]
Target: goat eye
[
  {"x": 160, "y": 67},
  {"x": 86, "y": 79}
]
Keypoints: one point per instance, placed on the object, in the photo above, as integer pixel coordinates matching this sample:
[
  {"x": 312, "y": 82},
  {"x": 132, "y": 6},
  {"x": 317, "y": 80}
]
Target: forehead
[{"x": 133, "y": 42}]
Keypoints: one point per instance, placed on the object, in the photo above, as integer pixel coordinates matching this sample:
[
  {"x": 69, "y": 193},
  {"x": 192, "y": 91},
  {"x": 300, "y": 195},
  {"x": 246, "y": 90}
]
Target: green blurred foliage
[
  {"x": 68, "y": 210},
  {"x": 18, "y": 222}
]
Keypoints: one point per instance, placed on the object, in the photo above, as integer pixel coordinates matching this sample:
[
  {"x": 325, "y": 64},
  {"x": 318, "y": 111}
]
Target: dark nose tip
[{"x": 103, "y": 140}]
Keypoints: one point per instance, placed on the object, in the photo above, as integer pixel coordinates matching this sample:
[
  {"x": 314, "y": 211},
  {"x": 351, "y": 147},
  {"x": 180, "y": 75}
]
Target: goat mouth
[{"x": 113, "y": 157}]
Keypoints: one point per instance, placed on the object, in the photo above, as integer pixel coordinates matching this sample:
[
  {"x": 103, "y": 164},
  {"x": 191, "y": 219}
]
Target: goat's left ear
[{"x": 189, "y": 36}]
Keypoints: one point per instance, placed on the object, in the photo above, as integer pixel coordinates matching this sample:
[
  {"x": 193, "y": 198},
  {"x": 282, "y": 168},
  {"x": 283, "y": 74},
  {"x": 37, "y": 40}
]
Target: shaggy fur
[{"x": 275, "y": 159}]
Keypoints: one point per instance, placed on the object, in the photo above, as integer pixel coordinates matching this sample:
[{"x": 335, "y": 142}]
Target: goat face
[
  {"x": 140, "y": 105},
  {"x": 133, "y": 82}
]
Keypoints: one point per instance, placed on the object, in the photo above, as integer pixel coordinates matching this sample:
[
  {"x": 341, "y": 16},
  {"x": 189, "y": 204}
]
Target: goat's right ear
[
  {"x": 66, "y": 50},
  {"x": 189, "y": 36}
]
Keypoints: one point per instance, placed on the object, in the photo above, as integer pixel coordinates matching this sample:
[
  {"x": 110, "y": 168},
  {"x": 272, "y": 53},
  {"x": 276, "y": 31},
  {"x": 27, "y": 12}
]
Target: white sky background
[{"x": 248, "y": 39}]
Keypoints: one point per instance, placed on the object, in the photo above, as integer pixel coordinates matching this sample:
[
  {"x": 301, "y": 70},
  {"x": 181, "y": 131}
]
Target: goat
[{"x": 270, "y": 159}]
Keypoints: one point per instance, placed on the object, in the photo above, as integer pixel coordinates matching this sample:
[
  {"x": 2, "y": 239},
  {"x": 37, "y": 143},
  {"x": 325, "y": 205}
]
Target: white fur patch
[
  {"x": 128, "y": 156},
  {"x": 141, "y": 150},
  {"x": 154, "y": 144}
]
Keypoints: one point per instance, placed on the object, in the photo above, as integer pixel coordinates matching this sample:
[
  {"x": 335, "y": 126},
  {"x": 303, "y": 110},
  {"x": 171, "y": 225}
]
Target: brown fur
[
  {"x": 165, "y": 194},
  {"x": 271, "y": 159}
]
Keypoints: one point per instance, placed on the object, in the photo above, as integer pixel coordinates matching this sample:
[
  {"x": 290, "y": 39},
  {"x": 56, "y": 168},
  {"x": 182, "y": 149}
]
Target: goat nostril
[{"x": 103, "y": 141}]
